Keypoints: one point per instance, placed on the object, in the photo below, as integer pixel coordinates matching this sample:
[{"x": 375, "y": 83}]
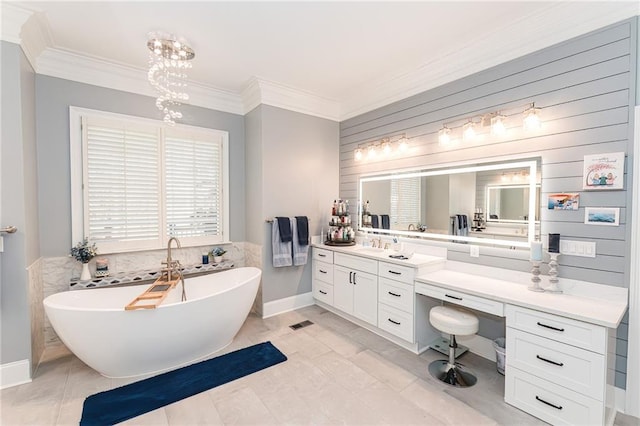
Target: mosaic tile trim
[{"x": 145, "y": 276}]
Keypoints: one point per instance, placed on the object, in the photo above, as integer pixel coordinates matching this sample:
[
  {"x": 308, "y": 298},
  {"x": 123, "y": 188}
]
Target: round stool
[{"x": 453, "y": 321}]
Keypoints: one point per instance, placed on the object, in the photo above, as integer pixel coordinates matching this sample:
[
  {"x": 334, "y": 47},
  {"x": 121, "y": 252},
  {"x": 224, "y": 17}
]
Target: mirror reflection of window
[{"x": 405, "y": 202}]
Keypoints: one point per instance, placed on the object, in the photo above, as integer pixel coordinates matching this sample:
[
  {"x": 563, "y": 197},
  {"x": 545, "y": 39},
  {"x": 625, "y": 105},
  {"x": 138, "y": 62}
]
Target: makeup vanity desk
[{"x": 560, "y": 350}]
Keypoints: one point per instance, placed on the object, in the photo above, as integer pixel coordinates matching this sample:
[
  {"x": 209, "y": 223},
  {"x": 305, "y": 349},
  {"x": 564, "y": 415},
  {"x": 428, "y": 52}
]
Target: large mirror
[{"x": 494, "y": 203}]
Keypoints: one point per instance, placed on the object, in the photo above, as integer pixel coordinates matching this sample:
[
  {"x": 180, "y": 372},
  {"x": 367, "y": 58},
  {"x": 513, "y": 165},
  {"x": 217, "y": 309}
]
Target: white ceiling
[{"x": 351, "y": 55}]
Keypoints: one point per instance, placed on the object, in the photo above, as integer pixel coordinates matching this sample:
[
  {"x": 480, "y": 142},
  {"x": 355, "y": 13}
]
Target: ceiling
[{"x": 353, "y": 56}]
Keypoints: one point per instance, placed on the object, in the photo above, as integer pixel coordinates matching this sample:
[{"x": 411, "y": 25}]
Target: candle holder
[
  {"x": 535, "y": 278},
  {"x": 553, "y": 274}
]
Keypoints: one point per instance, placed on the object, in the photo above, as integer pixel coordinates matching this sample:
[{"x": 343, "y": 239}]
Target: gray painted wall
[
  {"x": 299, "y": 176},
  {"x": 18, "y": 201},
  {"x": 586, "y": 89},
  {"x": 54, "y": 96}
]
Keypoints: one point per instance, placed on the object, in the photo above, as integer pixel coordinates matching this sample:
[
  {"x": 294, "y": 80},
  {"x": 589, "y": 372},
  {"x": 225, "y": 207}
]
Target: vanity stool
[{"x": 453, "y": 321}]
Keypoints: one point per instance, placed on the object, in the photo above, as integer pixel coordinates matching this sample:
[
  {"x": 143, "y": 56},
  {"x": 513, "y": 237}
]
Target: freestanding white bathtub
[{"x": 117, "y": 343}]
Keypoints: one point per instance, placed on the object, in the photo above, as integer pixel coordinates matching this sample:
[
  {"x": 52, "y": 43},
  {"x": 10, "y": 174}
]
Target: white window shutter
[
  {"x": 405, "y": 202},
  {"x": 122, "y": 193}
]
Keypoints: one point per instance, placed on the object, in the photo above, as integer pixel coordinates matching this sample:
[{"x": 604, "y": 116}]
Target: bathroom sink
[{"x": 371, "y": 250}]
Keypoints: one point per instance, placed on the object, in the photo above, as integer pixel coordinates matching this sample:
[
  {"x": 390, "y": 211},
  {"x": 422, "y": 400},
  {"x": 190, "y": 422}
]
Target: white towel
[
  {"x": 300, "y": 252},
  {"x": 281, "y": 251}
]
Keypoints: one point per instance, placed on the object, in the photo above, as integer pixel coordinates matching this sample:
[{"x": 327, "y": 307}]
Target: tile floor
[{"x": 337, "y": 373}]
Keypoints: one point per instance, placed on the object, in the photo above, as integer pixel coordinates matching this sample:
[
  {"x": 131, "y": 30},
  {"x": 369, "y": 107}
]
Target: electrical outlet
[{"x": 474, "y": 251}]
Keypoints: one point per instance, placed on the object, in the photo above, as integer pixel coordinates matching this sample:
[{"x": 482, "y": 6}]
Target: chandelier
[{"x": 169, "y": 59}]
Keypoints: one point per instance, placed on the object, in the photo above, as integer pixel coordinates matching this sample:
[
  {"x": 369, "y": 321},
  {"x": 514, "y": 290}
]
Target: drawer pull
[
  {"x": 392, "y": 321},
  {"x": 350, "y": 277},
  {"x": 395, "y": 272},
  {"x": 322, "y": 272},
  {"x": 550, "y": 327},
  {"x": 453, "y": 297},
  {"x": 354, "y": 278},
  {"x": 322, "y": 292},
  {"x": 559, "y": 364},
  {"x": 322, "y": 255},
  {"x": 557, "y": 407},
  {"x": 393, "y": 294}
]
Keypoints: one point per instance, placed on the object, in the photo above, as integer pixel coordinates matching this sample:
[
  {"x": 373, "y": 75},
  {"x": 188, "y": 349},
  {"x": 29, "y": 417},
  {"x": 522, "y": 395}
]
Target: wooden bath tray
[{"x": 154, "y": 295}]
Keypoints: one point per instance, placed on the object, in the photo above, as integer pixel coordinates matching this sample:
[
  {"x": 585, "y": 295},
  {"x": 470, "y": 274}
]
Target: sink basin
[{"x": 371, "y": 250}]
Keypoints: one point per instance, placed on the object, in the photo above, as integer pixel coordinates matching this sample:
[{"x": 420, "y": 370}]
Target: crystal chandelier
[{"x": 169, "y": 59}]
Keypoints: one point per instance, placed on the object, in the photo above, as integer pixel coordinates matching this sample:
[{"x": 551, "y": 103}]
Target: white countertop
[
  {"x": 417, "y": 260},
  {"x": 593, "y": 303}
]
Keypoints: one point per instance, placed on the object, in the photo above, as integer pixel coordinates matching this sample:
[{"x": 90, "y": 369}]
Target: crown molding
[
  {"x": 555, "y": 24},
  {"x": 262, "y": 91},
  {"x": 13, "y": 18},
  {"x": 99, "y": 72}
]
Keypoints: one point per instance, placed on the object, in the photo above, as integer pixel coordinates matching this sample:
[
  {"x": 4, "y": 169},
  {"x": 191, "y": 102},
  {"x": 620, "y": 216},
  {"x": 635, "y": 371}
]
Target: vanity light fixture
[
  {"x": 531, "y": 119},
  {"x": 444, "y": 136},
  {"x": 496, "y": 121},
  {"x": 386, "y": 146},
  {"x": 469, "y": 131},
  {"x": 169, "y": 59},
  {"x": 497, "y": 125}
]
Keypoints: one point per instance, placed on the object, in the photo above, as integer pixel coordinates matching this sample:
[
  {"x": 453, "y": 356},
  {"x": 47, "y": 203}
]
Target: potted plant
[
  {"x": 83, "y": 252},
  {"x": 217, "y": 253}
]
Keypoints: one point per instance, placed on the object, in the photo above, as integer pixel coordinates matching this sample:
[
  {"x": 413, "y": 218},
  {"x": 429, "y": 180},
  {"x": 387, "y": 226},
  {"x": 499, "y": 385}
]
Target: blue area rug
[{"x": 123, "y": 403}]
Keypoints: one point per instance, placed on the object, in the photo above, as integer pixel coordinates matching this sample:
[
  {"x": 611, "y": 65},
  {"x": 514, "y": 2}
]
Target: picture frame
[
  {"x": 563, "y": 201},
  {"x": 607, "y": 216},
  {"x": 603, "y": 171}
]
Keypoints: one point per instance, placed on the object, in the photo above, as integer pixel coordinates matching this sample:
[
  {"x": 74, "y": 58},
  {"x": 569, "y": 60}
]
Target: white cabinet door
[
  {"x": 365, "y": 297},
  {"x": 343, "y": 289}
]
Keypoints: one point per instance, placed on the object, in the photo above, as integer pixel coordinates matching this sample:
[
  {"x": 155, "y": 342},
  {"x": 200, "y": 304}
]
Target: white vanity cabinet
[
  {"x": 556, "y": 367},
  {"x": 322, "y": 277},
  {"x": 396, "y": 300},
  {"x": 355, "y": 285}
]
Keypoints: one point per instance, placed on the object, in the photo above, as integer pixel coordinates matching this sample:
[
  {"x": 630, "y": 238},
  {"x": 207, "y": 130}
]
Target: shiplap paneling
[{"x": 586, "y": 89}]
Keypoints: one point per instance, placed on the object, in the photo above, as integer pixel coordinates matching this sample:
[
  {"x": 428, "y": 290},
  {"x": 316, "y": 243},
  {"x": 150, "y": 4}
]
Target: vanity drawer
[
  {"x": 401, "y": 273},
  {"x": 574, "y": 368},
  {"x": 323, "y": 292},
  {"x": 396, "y": 322},
  {"x": 565, "y": 330},
  {"x": 550, "y": 402},
  {"x": 395, "y": 294},
  {"x": 322, "y": 255},
  {"x": 323, "y": 271},
  {"x": 356, "y": 262},
  {"x": 474, "y": 302}
]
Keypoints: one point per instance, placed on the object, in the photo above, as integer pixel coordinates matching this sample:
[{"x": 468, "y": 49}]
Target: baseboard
[
  {"x": 287, "y": 304},
  {"x": 15, "y": 373},
  {"x": 620, "y": 398}
]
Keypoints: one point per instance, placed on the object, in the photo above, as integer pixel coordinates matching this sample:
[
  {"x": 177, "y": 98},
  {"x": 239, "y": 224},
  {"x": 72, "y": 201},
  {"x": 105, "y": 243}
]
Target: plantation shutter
[
  {"x": 121, "y": 183},
  {"x": 405, "y": 201},
  {"x": 193, "y": 186}
]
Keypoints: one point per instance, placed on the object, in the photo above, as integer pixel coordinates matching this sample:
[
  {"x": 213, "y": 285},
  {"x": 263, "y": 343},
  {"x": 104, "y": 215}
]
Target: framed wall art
[
  {"x": 602, "y": 216},
  {"x": 564, "y": 201},
  {"x": 603, "y": 171}
]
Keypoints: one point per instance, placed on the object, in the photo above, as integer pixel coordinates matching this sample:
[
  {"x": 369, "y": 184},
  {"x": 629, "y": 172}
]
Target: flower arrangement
[
  {"x": 218, "y": 251},
  {"x": 83, "y": 252}
]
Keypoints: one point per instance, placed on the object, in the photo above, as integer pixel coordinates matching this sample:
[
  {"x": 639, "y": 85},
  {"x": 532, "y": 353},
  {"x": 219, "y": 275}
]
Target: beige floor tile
[
  {"x": 384, "y": 370},
  {"x": 339, "y": 343},
  {"x": 196, "y": 410},
  {"x": 300, "y": 342},
  {"x": 152, "y": 418},
  {"x": 243, "y": 407},
  {"x": 344, "y": 372}
]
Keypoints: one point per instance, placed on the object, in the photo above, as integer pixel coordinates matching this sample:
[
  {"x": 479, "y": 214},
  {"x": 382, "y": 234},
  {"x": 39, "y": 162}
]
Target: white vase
[
  {"x": 85, "y": 275},
  {"x": 217, "y": 259}
]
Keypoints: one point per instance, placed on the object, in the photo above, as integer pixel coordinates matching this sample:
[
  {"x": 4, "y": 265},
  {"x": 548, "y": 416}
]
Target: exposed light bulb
[
  {"x": 497, "y": 125},
  {"x": 372, "y": 151},
  {"x": 386, "y": 148},
  {"x": 444, "y": 136},
  {"x": 357, "y": 155},
  {"x": 403, "y": 143},
  {"x": 531, "y": 119},
  {"x": 469, "y": 131}
]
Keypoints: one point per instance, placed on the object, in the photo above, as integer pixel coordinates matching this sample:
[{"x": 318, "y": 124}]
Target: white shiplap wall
[{"x": 586, "y": 89}]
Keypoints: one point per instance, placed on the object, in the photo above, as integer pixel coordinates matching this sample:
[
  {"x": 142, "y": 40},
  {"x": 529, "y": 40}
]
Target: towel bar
[{"x": 270, "y": 220}]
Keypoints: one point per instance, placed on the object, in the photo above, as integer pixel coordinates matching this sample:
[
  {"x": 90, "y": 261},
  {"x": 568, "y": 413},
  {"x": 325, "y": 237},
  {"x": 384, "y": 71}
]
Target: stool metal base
[
  {"x": 454, "y": 375},
  {"x": 442, "y": 345}
]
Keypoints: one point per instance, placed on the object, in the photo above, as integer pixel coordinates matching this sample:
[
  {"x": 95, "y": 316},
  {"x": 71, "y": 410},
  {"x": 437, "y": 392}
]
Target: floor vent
[{"x": 300, "y": 325}]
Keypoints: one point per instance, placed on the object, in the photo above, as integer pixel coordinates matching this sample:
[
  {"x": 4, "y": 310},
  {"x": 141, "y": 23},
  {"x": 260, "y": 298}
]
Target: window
[
  {"x": 405, "y": 202},
  {"x": 137, "y": 182}
]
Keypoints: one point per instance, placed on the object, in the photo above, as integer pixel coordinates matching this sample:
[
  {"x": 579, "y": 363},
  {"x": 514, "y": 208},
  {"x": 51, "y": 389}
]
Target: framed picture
[
  {"x": 564, "y": 201},
  {"x": 602, "y": 216},
  {"x": 603, "y": 171}
]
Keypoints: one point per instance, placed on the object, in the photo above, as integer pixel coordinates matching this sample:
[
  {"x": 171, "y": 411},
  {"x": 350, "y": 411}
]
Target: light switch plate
[
  {"x": 1, "y": 244},
  {"x": 578, "y": 248},
  {"x": 474, "y": 251}
]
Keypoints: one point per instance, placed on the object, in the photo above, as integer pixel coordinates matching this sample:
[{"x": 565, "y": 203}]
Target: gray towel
[
  {"x": 300, "y": 248},
  {"x": 281, "y": 251}
]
